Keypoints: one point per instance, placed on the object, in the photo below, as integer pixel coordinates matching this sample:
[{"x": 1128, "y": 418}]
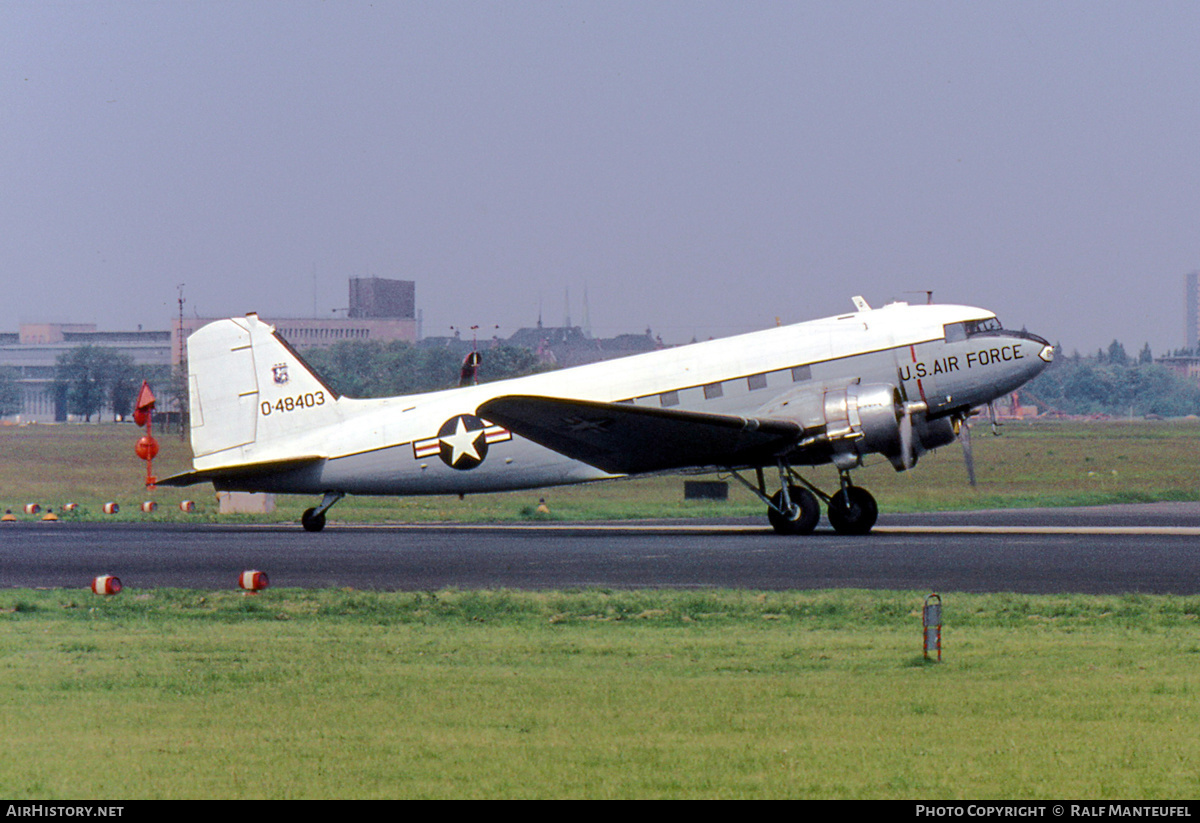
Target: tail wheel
[
  {"x": 311, "y": 521},
  {"x": 806, "y": 512},
  {"x": 853, "y": 511}
]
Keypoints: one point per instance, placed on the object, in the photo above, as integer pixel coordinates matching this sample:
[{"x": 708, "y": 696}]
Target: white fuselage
[{"x": 413, "y": 444}]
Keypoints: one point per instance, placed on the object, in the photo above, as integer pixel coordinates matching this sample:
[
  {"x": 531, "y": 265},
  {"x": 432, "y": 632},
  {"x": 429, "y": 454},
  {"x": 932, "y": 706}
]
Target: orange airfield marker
[{"x": 147, "y": 446}]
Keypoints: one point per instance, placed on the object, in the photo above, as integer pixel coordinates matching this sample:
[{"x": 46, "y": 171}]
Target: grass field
[
  {"x": 292, "y": 694},
  {"x": 1032, "y": 464},
  {"x": 604, "y": 694}
]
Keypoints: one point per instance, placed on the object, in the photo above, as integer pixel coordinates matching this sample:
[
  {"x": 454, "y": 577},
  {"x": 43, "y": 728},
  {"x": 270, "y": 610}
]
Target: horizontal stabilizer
[
  {"x": 233, "y": 477},
  {"x": 625, "y": 439}
]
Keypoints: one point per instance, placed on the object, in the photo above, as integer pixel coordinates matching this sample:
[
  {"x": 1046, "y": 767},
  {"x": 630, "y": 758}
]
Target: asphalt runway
[{"x": 1151, "y": 548}]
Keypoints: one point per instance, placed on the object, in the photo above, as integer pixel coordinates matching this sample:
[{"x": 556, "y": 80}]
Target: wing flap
[{"x": 625, "y": 439}]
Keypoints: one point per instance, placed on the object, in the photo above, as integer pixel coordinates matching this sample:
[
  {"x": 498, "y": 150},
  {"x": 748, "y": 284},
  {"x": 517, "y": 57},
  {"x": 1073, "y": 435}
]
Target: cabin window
[
  {"x": 756, "y": 381},
  {"x": 670, "y": 398},
  {"x": 712, "y": 391},
  {"x": 801, "y": 373},
  {"x": 955, "y": 332}
]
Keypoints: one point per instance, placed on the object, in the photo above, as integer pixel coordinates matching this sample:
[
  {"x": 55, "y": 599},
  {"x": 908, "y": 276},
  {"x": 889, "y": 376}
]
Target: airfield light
[
  {"x": 32, "y": 508},
  {"x": 106, "y": 584},
  {"x": 932, "y": 621},
  {"x": 253, "y": 581},
  {"x": 111, "y": 508}
]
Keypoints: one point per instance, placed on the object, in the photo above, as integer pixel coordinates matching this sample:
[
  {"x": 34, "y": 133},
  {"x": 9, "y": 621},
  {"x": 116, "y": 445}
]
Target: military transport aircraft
[{"x": 895, "y": 381}]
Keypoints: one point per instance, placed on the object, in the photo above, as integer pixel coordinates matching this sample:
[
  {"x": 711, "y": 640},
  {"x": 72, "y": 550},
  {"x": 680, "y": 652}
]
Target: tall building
[
  {"x": 1192, "y": 307},
  {"x": 376, "y": 297}
]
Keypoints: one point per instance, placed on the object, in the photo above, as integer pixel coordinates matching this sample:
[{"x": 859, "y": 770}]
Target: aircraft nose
[{"x": 1045, "y": 350}]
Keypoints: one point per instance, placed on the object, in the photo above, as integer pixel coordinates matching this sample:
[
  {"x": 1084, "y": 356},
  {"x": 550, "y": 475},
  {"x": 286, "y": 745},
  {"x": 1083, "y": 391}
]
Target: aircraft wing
[
  {"x": 240, "y": 473},
  {"x": 625, "y": 439}
]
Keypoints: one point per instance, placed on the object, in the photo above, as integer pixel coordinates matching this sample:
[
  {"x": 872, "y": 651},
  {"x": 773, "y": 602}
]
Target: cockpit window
[
  {"x": 980, "y": 326},
  {"x": 957, "y": 332}
]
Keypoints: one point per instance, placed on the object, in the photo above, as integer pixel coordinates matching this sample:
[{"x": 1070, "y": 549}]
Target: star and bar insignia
[{"x": 462, "y": 442}]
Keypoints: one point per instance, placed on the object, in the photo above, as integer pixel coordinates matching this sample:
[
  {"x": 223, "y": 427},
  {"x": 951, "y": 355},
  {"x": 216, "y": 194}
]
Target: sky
[{"x": 699, "y": 168}]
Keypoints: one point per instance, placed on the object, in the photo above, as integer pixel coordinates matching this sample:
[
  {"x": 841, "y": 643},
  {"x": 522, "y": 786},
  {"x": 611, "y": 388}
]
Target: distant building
[
  {"x": 1184, "y": 365},
  {"x": 570, "y": 346},
  {"x": 1191, "y": 307},
  {"x": 376, "y": 297},
  {"x": 382, "y": 310},
  {"x": 34, "y": 351}
]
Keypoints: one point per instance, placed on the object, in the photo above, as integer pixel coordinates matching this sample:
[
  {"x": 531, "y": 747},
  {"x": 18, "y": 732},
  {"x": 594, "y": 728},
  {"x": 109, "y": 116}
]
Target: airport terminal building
[
  {"x": 380, "y": 309},
  {"x": 33, "y": 353}
]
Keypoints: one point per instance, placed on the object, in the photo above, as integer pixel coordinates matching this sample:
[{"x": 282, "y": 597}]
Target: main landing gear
[
  {"x": 796, "y": 507},
  {"x": 313, "y": 520}
]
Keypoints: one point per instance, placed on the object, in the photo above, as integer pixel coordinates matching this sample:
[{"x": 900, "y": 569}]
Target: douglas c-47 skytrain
[{"x": 896, "y": 381}]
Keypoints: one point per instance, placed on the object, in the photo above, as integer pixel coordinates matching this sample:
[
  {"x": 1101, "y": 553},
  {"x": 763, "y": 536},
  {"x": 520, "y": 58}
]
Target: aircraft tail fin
[{"x": 251, "y": 396}]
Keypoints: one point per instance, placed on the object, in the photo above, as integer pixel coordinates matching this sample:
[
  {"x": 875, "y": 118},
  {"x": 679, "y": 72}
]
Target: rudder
[{"x": 250, "y": 392}]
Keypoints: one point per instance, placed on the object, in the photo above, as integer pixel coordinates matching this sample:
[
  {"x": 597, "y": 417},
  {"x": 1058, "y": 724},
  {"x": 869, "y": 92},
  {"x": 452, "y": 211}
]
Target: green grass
[
  {"x": 1032, "y": 464},
  {"x": 594, "y": 694},
  {"x": 604, "y": 694}
]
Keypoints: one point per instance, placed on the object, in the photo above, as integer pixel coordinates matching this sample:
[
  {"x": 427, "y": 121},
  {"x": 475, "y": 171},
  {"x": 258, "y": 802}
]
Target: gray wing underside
[{"x": 621, "y": 438}]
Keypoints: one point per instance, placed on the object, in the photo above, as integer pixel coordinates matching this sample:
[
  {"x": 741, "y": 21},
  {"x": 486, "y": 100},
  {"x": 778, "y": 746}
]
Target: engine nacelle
[
  {"x": 862, "y": 420},
  {"x": 933, "y": 434},
  {"x": 850, "y": 422}
]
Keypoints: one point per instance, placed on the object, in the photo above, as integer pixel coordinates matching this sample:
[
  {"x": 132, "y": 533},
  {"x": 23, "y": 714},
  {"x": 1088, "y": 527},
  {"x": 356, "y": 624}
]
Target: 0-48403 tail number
[{"x": 290, "y": 404}]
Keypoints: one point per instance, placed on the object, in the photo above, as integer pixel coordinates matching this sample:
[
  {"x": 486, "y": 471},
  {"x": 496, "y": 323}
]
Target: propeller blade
[
  {"x": 907, "y": 448},
  {"x": 964, "y": 435}
]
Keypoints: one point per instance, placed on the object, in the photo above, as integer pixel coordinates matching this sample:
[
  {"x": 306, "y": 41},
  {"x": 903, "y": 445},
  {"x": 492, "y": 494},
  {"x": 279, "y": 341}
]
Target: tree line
[
  {"x": 92, "y": 379},
  {"x": 1111, "y": 382},
  {"x": 365, "y": 368}
]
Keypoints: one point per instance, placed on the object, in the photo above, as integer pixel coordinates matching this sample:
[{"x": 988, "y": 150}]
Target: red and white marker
[
  {"x": 149, "y": 506},
  {"x": 253, "y": 581},
  {"x": 111, "y": 508},
  {"x": 32, "y": 508},
  {"x": 106, "y": 584},
  {"x": 187, "y": 506}
]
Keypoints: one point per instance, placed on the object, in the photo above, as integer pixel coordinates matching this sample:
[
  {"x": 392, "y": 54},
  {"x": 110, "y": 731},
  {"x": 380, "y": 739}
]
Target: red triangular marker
[
  {"x": 145, "y": 404},
  {"x": 145, "y": 398}
]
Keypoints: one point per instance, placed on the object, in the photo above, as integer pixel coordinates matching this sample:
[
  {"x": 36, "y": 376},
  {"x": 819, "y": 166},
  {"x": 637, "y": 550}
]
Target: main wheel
[
  {"x": 853, "y": 511},
  {"x": 311, "y": 521},
  {"x": 807, "y": 511}
]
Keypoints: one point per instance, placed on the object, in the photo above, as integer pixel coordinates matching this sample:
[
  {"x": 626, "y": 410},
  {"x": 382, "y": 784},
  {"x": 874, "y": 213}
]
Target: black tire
[
  {"x": 853, "y": 511},
  {"x": 312, "y": 522},
  {"x": 808, "y": 512}
]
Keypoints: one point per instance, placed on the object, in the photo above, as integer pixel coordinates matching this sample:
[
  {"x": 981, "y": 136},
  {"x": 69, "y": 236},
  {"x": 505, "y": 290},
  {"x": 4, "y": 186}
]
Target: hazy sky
[{"x": 698, "y": 167}]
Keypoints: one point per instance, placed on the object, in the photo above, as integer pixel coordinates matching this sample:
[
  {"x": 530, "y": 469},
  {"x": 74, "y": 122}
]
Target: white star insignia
[{"x": 463, "y": 442}]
